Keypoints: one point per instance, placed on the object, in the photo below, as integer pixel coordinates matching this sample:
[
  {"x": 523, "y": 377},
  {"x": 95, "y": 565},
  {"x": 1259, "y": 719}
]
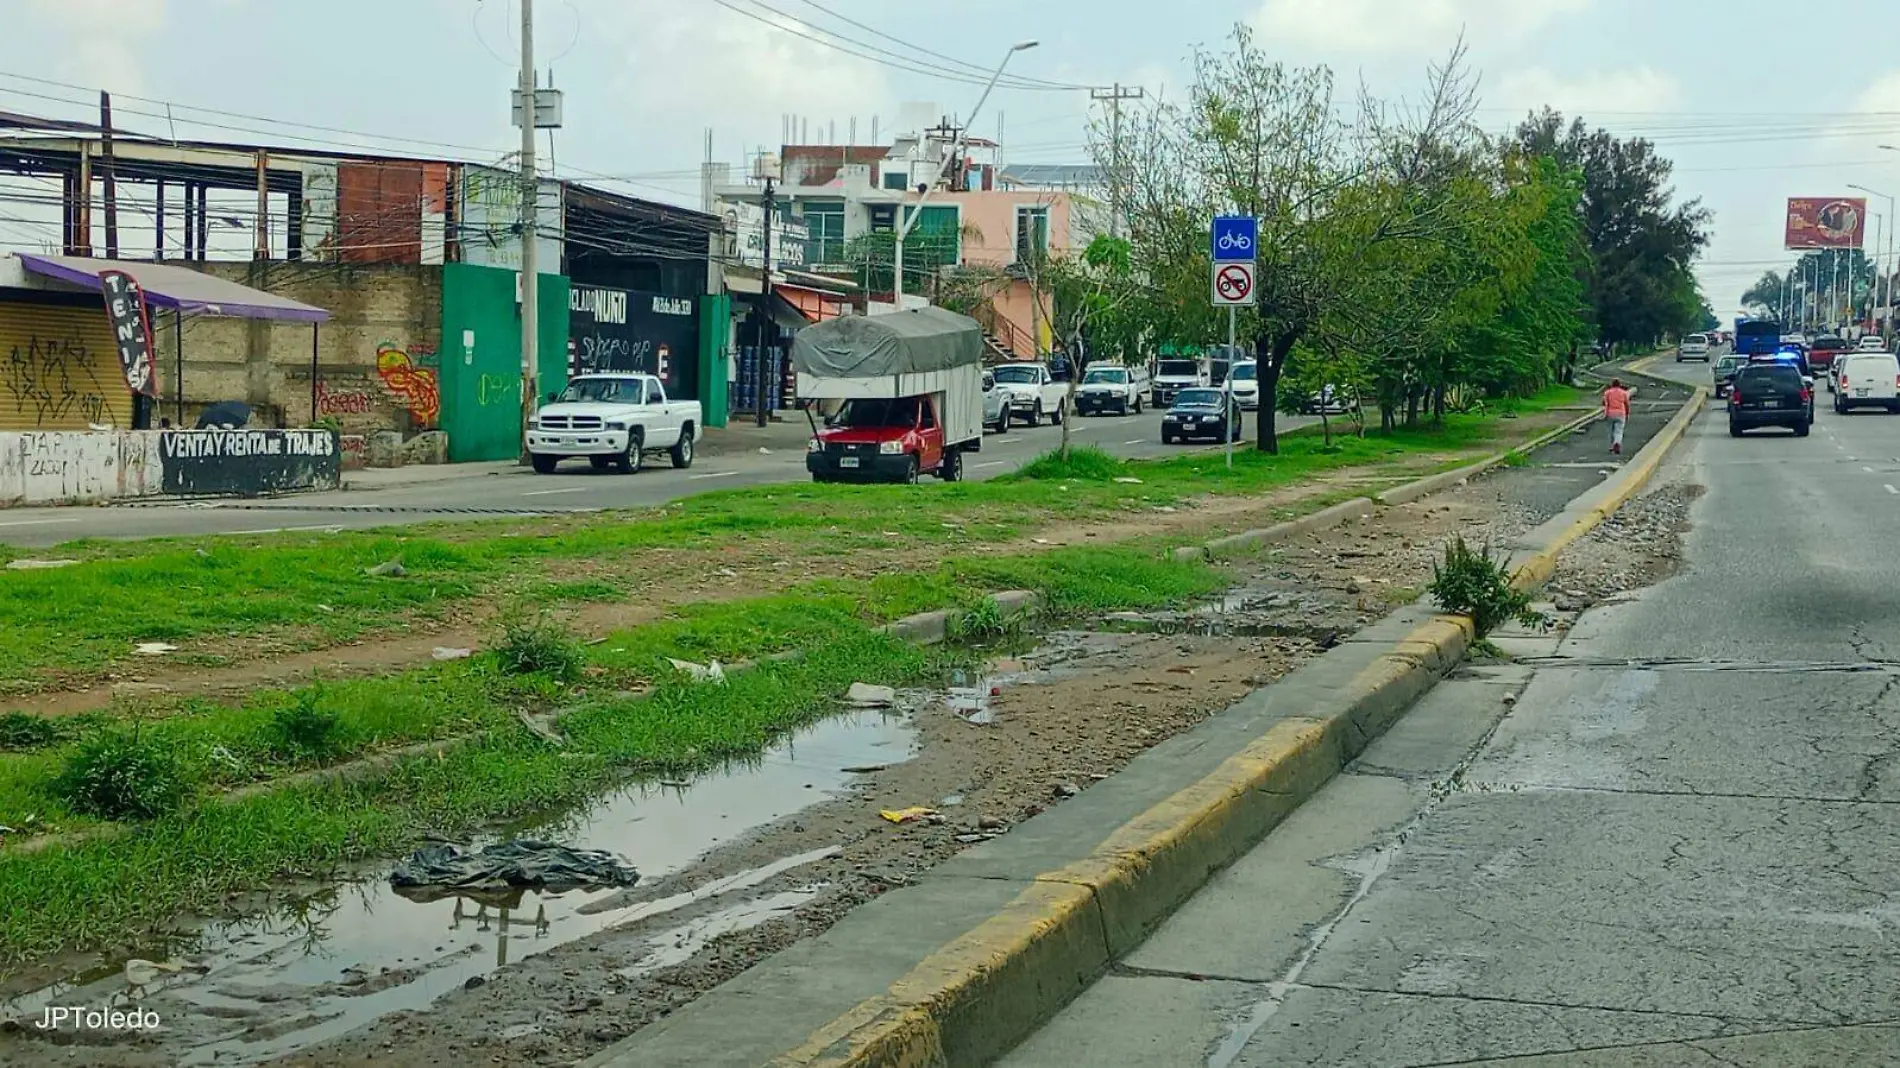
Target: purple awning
[{"x": 182, "y": 288}]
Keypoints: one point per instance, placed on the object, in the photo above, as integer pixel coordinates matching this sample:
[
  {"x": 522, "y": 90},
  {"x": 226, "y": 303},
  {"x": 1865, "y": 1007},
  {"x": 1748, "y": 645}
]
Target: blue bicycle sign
[{"x": 1236, "y": 238}]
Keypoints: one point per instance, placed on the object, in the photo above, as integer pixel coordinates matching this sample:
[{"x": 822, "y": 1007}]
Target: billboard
[{"x": 1826, "y": 222}]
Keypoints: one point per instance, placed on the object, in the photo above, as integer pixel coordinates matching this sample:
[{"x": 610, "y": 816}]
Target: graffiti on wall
[
  {"x": 334, "y": 401},
  {"x": 498, "y": 389},
  {"x": 410, "y": 374},
  {"x": 54, "y": 381}
]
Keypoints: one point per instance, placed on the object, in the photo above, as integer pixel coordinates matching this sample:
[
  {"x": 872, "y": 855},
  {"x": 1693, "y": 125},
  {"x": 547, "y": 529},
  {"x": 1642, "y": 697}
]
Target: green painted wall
[
  {"x": 715, "y": 327},
  {"x": 481, "y": 382}
]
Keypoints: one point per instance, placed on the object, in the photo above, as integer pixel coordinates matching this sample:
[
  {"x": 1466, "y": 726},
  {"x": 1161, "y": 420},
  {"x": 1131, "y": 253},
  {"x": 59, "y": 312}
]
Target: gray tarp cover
[
  {"x": 521, "y": 863},
  {"x": 877, "y": 346}
]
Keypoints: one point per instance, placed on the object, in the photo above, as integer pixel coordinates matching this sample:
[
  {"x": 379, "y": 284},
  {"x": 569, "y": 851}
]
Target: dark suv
[{"x": 1770, "y": 394}]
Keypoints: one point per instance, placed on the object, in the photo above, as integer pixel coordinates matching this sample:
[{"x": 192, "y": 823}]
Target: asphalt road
[
  {"x": 517, "y": 491},
  {"x": 1678, "y": 846}
]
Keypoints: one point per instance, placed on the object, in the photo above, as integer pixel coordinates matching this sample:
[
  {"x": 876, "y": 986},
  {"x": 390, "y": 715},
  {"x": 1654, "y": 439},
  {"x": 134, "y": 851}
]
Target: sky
[{"x": 1749, "y": 115}]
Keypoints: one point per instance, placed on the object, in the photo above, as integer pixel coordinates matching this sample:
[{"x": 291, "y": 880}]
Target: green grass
[
  {"x": 92, "y": 892},
  {"x": 78, "y": 621}
]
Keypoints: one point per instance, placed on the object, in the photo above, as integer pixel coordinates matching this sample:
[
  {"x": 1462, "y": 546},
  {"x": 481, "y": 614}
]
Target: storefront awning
[{"x": 180, "y": 288}]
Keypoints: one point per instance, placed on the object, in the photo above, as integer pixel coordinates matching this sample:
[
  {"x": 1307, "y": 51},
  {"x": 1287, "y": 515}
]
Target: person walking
[{"x": 1616, "y": 412}]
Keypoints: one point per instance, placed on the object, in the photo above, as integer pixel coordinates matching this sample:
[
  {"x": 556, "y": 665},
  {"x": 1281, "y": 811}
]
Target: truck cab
[
  {"x": 880, "y": 439},
  {"x": 1176, "y": 373}
]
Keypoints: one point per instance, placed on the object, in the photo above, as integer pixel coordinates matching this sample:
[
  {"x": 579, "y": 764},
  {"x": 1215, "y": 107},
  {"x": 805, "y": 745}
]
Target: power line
[{"x": 928, "y": 52}]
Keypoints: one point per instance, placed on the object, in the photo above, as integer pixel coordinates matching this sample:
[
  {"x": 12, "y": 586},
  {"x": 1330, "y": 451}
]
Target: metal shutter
[{"x": 59, "y": 370}]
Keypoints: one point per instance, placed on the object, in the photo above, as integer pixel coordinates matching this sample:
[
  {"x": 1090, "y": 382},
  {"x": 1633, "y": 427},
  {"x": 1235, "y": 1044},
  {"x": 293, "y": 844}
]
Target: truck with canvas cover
[{"x": 911, "y": 387}]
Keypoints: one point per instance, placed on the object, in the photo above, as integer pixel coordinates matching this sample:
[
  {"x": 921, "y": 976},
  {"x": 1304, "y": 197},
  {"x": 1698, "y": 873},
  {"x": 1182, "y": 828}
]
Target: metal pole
[
  {"x": 764, "y": 375},
  {"x": 111, "y": 186},
  {"x": 530, "y": 203},
  {"x": 314, "y": 391},
  {"x": 956, "y": 148},
  {"x": 1227, "y": 393}
]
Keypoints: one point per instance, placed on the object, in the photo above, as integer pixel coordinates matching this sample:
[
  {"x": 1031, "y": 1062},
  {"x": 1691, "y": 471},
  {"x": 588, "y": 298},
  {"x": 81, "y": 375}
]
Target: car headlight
[
  {"x": 616, "y": 426},
  {"x": 534, "y": 422},
  {"x": 890, "y": 448}
]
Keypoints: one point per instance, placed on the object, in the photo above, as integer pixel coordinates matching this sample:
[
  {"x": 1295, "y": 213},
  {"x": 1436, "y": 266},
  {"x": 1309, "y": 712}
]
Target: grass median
[
  {"x": 70, "y": 626},
  {"x": 623, "y": 712}
]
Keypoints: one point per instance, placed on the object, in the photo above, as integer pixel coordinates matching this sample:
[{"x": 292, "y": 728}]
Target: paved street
[
  {"x": 508, "y": 490},
  {"x": 1676, "y": 847}
]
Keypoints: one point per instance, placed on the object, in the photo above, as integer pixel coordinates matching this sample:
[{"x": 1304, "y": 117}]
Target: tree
[
  {"x": 1641, "y": 246},
  {"x": 1090, "y": 296}
]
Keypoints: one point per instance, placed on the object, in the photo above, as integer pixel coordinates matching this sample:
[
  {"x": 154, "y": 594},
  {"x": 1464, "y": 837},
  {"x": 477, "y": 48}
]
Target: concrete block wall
[
  {"x": 80, "y": 467},
  {"x": 377, "y": 357}
]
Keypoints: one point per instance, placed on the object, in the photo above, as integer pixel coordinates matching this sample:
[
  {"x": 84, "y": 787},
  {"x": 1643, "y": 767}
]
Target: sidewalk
[
  {"x": 789, "y": 434},
  {"x": 375, "y": 478}
]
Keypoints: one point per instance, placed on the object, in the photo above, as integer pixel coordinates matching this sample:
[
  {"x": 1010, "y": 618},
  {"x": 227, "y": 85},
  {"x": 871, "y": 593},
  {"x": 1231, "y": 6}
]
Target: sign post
[{"x": 1234, "y": 241}]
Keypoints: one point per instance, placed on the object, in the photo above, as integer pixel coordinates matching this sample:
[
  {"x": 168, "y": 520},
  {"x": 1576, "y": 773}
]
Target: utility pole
[
  {"x": 112, "y": 189},
  {"x": 530, "y": 201},
  {"x": 768, "y": 170},
  {"x": 1114, "y": 97}
]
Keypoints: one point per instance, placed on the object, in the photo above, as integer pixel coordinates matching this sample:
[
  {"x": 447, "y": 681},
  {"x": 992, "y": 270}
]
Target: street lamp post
[
  {"x": 1894, "y": 215},
  {"x": 917, "y": 212}
]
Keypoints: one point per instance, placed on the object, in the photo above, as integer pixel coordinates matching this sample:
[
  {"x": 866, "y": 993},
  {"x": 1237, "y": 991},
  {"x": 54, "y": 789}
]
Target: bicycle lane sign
[
  {"x": 1236, "y": 238},
  {"x": 1234, "y": 285}
]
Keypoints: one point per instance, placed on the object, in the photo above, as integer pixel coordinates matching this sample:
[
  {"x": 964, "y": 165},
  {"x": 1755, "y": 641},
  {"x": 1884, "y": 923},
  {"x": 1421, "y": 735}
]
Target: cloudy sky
[{"x": 1733, "y": 90}]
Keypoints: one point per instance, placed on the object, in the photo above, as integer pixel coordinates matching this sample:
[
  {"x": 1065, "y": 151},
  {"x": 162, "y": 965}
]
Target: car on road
[
  {"x": 1867, "y": 380},
  {"x": 1693, "y": 347},
  {"x": 1769, "y": 393},
  {"x": 1173, "y": 374},
  {"x": 1724, "y": 373},
  {"x": 1246, "y": 385},
  {"x": 1201, "y": 413},
  {"x": 1034, "y": 393},
  {"x": 1871, "y": 343},
  {"x": 1821, "y": 354},
  {"x": 1111, "y": 387},
  {"x": 613, "y": 420},
  {"x": 1330, "y": 400},
  {"x": 996, "y": 409}
]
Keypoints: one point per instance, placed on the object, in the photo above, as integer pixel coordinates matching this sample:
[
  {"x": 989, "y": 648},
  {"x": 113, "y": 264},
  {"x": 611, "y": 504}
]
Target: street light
[
  {"x": 1880, "y": 272},
  {"x": 956, "y": 148}
]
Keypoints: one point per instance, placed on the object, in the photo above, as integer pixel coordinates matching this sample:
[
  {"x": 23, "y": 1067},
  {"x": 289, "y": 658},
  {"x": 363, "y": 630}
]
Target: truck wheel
[
  {"x": 1035, "y": 415},
  {"x": 1137, "y": 404},
  {"x": 683, "y": 450},
  {"x": 1062, "y": 409},
  {"x": 544, "y": 464},
  {"x": 1002, "y": 421},
  {"x": 630, "y": 461},
  {"x": 911, "y": 470},
  {"x": 951, "y": 470}
]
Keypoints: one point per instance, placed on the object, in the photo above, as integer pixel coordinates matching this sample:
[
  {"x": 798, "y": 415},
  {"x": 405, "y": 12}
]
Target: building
[
  {"x": 979, "y": 238},
  {"x": 417, "y": 260}
]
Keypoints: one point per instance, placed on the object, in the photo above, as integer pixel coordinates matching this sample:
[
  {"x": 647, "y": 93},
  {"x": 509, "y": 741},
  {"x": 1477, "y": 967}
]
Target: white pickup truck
[
  {"x": 1033, "y": 391},
  {"x": 613, "y": 419}
]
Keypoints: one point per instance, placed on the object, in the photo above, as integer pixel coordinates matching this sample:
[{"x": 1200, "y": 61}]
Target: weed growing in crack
[{"x": 1472, "y": 582}]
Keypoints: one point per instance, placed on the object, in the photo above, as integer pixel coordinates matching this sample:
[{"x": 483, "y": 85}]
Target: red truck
[
  {"x": 1821, "y": 354},
  {"x": 911, "y": 383}
]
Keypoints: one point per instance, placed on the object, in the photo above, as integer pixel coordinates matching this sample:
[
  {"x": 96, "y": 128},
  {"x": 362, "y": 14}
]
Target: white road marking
[
  {"x": 279, "y": 530},
  {"x": 552, "y": 492},
  {"x": 1137, "y": 441},
  {"x": 711, "y": 474},
  {"x": 36, "y": 522},
  {"x": 1890, "y": 489},
  {"x": 1867, "y": 469},
  {"x": 991, "y": 463}
]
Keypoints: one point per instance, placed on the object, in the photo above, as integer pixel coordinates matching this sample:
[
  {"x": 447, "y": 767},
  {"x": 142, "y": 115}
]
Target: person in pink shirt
[{"x": 1616, "y": 412}]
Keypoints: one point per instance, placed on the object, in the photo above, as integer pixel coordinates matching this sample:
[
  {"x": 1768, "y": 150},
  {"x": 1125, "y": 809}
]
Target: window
[
  {"x": 825, "y": 223},
  {"x": 896, "y": 180},
  {"x": 1032, "y": 233},
  {"x": 929, "y": 416},
  {"x": 937, "y": 239}
]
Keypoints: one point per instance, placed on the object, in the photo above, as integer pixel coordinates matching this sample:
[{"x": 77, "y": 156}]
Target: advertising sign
[
  {"x": 131, "y": 330},
  {"x": 630, "y": 330},
  {"x": 1826, "y": 222}
]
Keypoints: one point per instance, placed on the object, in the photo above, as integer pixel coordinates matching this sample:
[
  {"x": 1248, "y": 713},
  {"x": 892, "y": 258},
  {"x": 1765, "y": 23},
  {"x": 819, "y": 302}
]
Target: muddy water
[{"x": 337, "y": 959}]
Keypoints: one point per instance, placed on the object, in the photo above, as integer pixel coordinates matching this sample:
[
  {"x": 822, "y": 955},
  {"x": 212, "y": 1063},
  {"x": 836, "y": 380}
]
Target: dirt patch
[{"x": 1637, "y": 547}]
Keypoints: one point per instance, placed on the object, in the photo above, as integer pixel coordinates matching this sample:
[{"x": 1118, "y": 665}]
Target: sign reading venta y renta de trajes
[{"x": 248, "y": 463}]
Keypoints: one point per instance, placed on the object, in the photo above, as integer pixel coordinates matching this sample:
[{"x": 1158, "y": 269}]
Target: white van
[{"x": 1869, "y": 379}]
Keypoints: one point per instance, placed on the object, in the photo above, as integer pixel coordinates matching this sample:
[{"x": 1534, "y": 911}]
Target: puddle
[
  {"x": 969, "y": 697},
  {"x": 329, "y": 962}
]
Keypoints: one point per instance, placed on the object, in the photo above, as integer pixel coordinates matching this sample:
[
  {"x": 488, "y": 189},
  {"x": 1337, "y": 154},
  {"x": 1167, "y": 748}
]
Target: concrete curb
[
  {"x": 1360, "y": 507},
  {"x": 987, "y": 985},
  {"x": 1538, "y": 561}
]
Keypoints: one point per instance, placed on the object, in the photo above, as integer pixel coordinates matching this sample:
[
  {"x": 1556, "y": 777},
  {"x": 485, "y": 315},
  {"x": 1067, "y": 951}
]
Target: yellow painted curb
[
  {"x": 1542, "y": 564},
  {"x": 1068, "y": 918}
]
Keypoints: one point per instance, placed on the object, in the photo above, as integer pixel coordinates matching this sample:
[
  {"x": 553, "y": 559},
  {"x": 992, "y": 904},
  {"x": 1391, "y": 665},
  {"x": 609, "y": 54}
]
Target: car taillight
[
  {"x": 1735, "y": 395},
  {"x": 1806, "y": 394}
]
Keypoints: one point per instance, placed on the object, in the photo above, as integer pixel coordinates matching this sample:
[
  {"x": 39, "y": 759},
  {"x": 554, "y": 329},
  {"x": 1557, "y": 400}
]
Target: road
[
  {"x": 1676, "y": 846},
  {"x": 516, "y": 491}
]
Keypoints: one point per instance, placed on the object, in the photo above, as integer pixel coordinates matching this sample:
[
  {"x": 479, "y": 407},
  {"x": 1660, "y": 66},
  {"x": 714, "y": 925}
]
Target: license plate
[
  {"x": 564, "y": 441},
  {"x": 1771, "y": 404},
  {"x": 847, "y": 461},
  {"x": 1861, "y": 392}
]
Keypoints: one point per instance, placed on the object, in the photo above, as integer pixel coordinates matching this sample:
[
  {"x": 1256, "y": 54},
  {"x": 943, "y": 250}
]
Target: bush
[
  {"x": 539, "y": 647},
  {"x": 1471, "y": 582},
  {"x": 116, "y": 774},
  {"x": 22, "y": 730},
  {"x": 984, "y": 622},
  {"x": 305, "y": 730},
  {"x": 1085, "y": 463}
]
